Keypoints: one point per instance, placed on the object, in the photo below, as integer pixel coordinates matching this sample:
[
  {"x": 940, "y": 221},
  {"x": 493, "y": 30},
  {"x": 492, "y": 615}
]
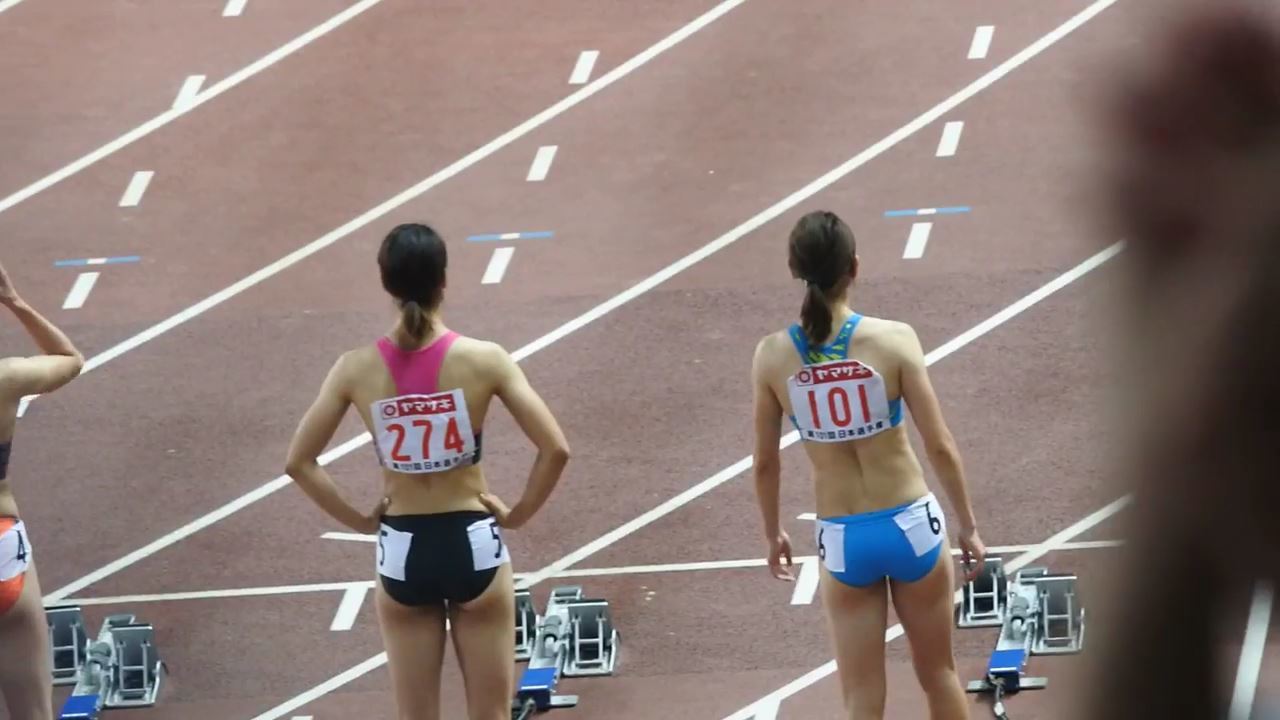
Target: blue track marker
[
  {"x": 928, "y": 211},
  {"x": 98, "y": 261},
  {"x": 511, "y": 236}
]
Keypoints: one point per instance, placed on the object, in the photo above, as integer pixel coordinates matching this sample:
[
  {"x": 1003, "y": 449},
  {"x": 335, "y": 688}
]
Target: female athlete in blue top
[
  {"x": 26, "y": 683},
  {"x": 841, "y": 379}
]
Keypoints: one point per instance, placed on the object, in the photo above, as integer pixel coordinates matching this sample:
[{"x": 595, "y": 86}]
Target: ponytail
[
  {"x": 815, "y": 314},
  {"x": 415, "y": 320}
]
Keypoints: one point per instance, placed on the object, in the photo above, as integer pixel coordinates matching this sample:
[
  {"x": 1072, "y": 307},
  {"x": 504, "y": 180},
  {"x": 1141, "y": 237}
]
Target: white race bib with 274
[
  {"x": 838, "y": 400},
  {"x": 424, "y": 433}
]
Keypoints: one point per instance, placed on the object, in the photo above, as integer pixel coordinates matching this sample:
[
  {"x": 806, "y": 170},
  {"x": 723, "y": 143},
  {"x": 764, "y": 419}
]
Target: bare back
[
  {"x": 860, "y": 474},
  {"x": 469, "y": 365}
]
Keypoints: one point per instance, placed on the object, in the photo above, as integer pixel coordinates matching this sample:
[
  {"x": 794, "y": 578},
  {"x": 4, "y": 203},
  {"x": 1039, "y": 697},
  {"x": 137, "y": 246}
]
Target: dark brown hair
[
  {"x": 412, "y": 261},
  {"x": 822, "y": 248}
]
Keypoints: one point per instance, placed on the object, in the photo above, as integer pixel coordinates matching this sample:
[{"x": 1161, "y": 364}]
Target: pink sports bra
[{"x": 417, "y": 372}]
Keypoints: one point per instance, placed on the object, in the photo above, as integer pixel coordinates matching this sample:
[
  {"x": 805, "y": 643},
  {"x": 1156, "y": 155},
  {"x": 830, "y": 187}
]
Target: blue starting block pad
[
  {"x": 575, "y": 638},
  {"x": 81, "y": 707}
]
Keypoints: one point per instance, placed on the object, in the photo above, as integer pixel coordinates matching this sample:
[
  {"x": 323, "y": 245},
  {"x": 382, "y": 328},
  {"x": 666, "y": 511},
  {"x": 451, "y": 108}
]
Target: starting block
[
  {"x": 120, "y": 669},
  {"x": 1038, "y": 614},
  {"x": 575, "y": 638}
]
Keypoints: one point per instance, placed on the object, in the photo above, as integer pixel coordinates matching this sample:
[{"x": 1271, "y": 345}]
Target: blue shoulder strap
[{"x": 837, "y": 349}]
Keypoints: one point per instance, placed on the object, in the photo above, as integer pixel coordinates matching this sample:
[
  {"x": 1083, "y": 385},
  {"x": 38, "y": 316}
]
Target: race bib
[
  {"x": 830, "y": 537},
  {"x": 923, "y": 524},
  {"x": 838, "y": 401},
  {"x": 487, "y": 548},
  {"x": 424, "y": 433},
  {"x": 393, "y": 552},
  {"x": 15, "y": 552}
]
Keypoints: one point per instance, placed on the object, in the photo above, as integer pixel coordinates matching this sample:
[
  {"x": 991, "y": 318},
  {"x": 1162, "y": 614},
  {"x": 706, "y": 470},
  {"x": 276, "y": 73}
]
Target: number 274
[{"x": 452, "y": 438}]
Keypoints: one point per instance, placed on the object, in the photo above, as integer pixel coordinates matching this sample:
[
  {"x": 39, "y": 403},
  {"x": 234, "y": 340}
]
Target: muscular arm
[
  {"x": 939, "y": 445},
  {"x": 540, "y": 426},
  {"x": 310, "y": 439},
  {"x": 766, "y": 460},
  {"x": 59, "y": 365}
]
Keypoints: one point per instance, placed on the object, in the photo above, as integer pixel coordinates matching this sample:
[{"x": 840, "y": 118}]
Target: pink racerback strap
[{"x": 416, "y": 371}]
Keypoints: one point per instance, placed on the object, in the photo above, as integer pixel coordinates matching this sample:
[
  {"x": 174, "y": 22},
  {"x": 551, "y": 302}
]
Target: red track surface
[{"x": 653, "y": 396}]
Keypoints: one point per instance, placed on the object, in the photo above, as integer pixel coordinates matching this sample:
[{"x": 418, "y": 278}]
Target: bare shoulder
[
  {"x": 770, "y": 349},
  {"x": 889, "y": 333},
  {"x": 486, "y": 358}
]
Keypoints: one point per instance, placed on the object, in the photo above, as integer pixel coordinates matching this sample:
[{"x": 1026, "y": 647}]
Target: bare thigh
[
  {"x": 414, "y": 641},
  {"x": 857, "y": 617},
  {"x": 26, "y": 678},
  {"x": 927, "y": 611},
  {"x": 484, "y": 636}
]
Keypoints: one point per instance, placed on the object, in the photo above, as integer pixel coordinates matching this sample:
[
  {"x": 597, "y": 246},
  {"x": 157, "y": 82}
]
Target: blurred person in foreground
[{"x": 1192, "y": 188}]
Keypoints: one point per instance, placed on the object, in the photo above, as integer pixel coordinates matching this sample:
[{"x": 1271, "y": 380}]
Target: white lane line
[
  {"x": 218, "y": 594},
  {"x": 582, "y": 69},
  {"x": 190, "y": 88},
  {"x": 916, "y": 241},
  {"x": 981, "y": 41},
  {"x": 349, "y": 536},
  {"x": 80, "y": 290},
  {"x": 950, "y": 139},
  {"x": 234, "y": 8},
  {"x": 404, "y": 196},
  {"x": 711, "y": 248},
  {"x": 1255, "y": 644},
  {"x": 767, "y": 711},
  {"x": 497, "y": 265},
  {"x": 172, "y": 114},
  {"x": 541, "y": 163},
  {"x": 6, "y": 4},
  {"x": 335, "y": 235},
  {"x": 138, "y": 185},
  {"x": 681, "y": 567},
  {"x": 1049, "y": 545},
  {"x": 806, "y": 583},
  {"x": 23, "y": 404},
  {"x": 352, "y": 600},
  {"x": 807, "y": 516}
]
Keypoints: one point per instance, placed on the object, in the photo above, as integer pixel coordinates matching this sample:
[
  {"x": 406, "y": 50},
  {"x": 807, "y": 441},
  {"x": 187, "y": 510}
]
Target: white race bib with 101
[
  {"x": 424, "y": 433},
  {"x": 838, "y": 400}
]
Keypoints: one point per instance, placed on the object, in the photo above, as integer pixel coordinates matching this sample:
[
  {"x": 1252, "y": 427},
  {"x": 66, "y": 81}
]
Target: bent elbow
[
  {"x": 296, "y": 467},
  {"x": 559, "y": 453}
]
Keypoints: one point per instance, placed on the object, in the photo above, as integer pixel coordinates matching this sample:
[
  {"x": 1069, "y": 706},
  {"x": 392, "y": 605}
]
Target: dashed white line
[
  {"x": 137, "y": 186},
  {"x": 80, "y": 290},
  {"x": 1251, "y": 651},
  {"x": 352, "y": 600},
  {"x": 541, "y": 163},
  {"x": 497, "y": 265},
  {"x": 582, "y": 69},
  {"x": 234, "y": 8},
  {"x": 981, "y": 41},
  {"x": 807, "y": 583},
  {"x": 950, "y": 138},
  {"x": 168, "y": 116},
  {"x": 916, "y": 241},
  {"x": 190, "y": 88}
]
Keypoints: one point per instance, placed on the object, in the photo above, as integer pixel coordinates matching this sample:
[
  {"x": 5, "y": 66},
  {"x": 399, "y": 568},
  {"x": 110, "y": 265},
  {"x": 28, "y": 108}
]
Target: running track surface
[{"x": 654, "y": 395}]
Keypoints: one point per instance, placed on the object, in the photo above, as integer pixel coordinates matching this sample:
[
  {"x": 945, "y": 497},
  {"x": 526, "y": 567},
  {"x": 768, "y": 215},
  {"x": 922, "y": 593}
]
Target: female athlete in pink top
[{"x": 423, "y": 391}]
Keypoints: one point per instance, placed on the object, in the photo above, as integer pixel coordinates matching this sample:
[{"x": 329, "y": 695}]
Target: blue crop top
[{"x": 835, "y": 355}]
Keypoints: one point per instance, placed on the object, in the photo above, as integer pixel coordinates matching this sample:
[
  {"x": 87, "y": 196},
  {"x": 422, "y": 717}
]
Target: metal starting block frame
[
  {"x": 575, "y": 638},
  {"x": 120, "y": 669},
  {"x": 1039, "y": 613}
]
